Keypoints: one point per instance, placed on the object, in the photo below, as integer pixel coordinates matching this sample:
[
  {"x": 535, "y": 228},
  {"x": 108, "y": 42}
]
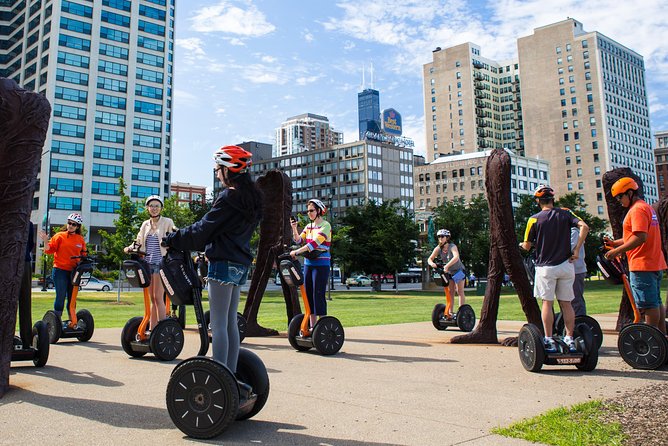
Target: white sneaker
[
  {"x": 550, "y": 345},
  {"x": 571, "y": 343}
]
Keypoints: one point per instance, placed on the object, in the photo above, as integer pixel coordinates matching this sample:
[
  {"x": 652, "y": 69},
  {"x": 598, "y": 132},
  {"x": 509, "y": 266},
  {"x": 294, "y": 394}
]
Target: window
[
  {"x": 71, "y": 112},
  {"x": 74, "y": 60},
  {"x": 146, "y": 191},
  {"x": 108, "y": 153},
  {"x": 109, "y": 135},
  {"x": 75, "y": 131},
  {"x": 76, "y": 43},
  {"x": 113, "y": 68},
  {"x": 75, "y": 25},
  {"x": 151, "y": 44},
  {"x": 71, "y": 94},
  {"x": 104, "y": 206},
  {"x": 148, "y": 124},
  {"x": 115, "y": 19},
  {"x": 66, "y": 166},
  {"x": 107, "y": 170},
  {"x": 112, "y": 84},
  {"x": 151, "y": 28},
  {"x": 155, "y": 76},
  {"x": 65, "y": 203},
  {"x": 149, "y": 92},
  {"x": 110, "y": 118},
  {"x": 123, "y": 5},
  {"x": 145, "y": 175},
  {"x": 72, "y": 77},
  {"x": 153, "y": 13},
  {"x": 104, "y": 188},
  {"x": 110, "y": 101},
  {"x": 77, "y": 9},
  {"x": 146, "y": 141},
  {"x": 157, "y": 61},
  {"x": 114, "y": 51},
  {"x": 145, "y": 157},
  {"x": 114, "y": 34},
  {"x": 67, "y": 147},
  {"x": 66, "y": 184}
]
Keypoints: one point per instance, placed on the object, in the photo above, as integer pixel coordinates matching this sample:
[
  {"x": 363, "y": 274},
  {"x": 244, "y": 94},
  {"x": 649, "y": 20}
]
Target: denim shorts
[
  {"x": 155, "y": 268},
  {"x": 227, "y": 272},
  {"x": 645, "y": 286},
  {"x": 458, "y": 276}
]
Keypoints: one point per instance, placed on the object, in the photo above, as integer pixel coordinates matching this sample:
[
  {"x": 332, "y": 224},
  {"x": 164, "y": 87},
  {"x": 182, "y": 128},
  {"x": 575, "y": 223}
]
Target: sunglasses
[
  {"x": 154, "y": 206},
  {"x": 70, "y": 223},
  {"x": 311, "y": 210},
  {"x": 442, "y": 236}
]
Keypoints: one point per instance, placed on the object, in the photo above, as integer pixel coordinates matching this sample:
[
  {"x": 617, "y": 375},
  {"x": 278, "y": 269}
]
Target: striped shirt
[
  {"x": 153, "y": 254},
  {"x": 318, "y": 237}
]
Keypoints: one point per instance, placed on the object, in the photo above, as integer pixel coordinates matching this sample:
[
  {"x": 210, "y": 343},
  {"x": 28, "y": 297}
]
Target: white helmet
[
  {"x": 156, "y": 198},
  {"x": 319, "y": 205},
  {"x": 75, "y": 218},
  {"x": 443, "y": 232}
]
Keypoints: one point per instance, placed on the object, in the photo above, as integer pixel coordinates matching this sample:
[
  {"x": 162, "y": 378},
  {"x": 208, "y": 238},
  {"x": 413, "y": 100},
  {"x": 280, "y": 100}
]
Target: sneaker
[
  {"x": 550, "y": 345},
  {"x": 571, "y": 343}
]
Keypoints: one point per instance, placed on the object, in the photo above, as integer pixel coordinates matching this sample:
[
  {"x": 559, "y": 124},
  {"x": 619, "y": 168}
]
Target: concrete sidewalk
[{"x": 395, "y": 384}]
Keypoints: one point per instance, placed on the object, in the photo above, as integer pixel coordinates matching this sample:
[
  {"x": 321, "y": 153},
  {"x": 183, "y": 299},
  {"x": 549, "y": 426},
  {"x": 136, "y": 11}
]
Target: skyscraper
[
  {"x": 305, "y": 132},
  {"x": 368, "y": 111},
  {"x": 106, "y": 67},
  {"x": 573, "y": 98}
]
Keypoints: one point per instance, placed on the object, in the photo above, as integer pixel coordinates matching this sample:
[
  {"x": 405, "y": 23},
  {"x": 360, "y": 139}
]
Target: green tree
[
  {"x": 376, "y": 238},
  {"x": 127, "y": 225},
  {"x": 200, "y": 208}
]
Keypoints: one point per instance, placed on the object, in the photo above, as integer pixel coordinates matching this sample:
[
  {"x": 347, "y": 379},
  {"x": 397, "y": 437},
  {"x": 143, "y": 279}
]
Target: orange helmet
[
  {"x": 623, "y": 185},
  {"x": 235, "y": 158},
  {"x": 544, "y": 191}
]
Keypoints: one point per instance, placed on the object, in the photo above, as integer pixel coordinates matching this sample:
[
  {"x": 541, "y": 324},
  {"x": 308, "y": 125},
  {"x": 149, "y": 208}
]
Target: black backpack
[
  {"x": 137, "y": 271},
  {"x": 178, "y": 275}
]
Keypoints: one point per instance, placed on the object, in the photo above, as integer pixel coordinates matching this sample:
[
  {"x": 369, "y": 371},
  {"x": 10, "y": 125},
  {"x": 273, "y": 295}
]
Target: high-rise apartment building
[
  {"x": 471, "y": 103},
  {"x": 661, "y": 162},
  {"x": 305, "y": 132},
  {"x": 368, "y": 111},
  {"x": 106, "y": 67},
  {"x": 585, "y": 109},
  {"x": 347, "y": 175},
  {"x": 573, "y": 98}
]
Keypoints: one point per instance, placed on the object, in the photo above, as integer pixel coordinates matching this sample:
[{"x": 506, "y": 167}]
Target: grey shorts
[{"x": 555, "y": 281}]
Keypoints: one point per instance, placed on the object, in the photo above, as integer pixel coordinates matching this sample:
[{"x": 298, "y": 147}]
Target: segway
[
  {"x": 640, "y": 345},
  {"x": 165, "y": 341},
  {"x": 38, "y": 351},
  {"x": 203, "y": 395},
  {"x": 81, "y": 324},
  {"x": 327, "y": 336},
  {"x": 464, "y": 318},
  {"x": 533, "y": 355},
  {"x": 202, "y": 267},
  {"x": 559, "y": 327}
]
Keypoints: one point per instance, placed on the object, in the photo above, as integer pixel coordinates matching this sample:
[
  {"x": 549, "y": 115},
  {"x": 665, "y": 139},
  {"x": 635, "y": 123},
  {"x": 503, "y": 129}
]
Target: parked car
[
  {"x": 358, "y": 281},
  {"x": 385, "y": 278},
  {"x": 49, "y": 282},
  {"x": 97, "y": 284}
]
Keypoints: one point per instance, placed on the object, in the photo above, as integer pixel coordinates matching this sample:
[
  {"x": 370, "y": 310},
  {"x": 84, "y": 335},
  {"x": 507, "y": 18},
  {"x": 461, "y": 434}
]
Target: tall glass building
[
  {"x": 106, "y": 67},
  {"x": 368, "y": 111}
]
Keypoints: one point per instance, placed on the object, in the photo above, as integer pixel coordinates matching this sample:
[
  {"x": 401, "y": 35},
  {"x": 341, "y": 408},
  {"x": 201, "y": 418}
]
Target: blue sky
[{"x": 244, "y": 66}]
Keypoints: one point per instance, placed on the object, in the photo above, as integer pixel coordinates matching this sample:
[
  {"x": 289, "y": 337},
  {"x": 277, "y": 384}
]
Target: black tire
[
  {"x": 293, "y": 332},
  {"x": 50, "y": 285},
  {"x": 328, "y": 335},
  {"x": 40, "y": 343},
  {"x": 466, "y": 318},
  {"x": 202, "y": 397},
  {"x": 106, "y": 288},
  {"x": 207, "y": 319},
  {"x": 86, "y": 323},
  {"x": 436, "y": 315},
  {"x": 530, "y": 346},
  {"x": 251, "y": 370},
  {"x": 181, "y": 316},
  {"x": 584, "y": 338},
  {"x": 241, "y": 323},
  {"x": 128, "y": 335},
  {"x": 642, "y": 346},
  {"x": 54, "y": 326},
  {"x": 166, "y": 339},
  {"x": 596, "y": 331}
]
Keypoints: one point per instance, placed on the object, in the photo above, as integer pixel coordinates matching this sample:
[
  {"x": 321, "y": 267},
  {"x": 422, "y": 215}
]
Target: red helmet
[
  {"x": 235, "y": 158},
  {"x": 623, "y": 185},
  {"x": 544, "y": 191}
]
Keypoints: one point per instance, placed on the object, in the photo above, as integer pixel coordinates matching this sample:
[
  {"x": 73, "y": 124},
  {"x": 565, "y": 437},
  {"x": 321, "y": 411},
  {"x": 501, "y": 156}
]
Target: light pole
[
  {"x": 331, "y": 261},
  {"x": 48, "y": 234}
]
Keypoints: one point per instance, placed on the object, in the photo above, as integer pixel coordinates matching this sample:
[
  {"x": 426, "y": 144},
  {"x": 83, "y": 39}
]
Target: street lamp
[
  {"x": 331, "y": 261},
  {"x": 48, "y": 234}
]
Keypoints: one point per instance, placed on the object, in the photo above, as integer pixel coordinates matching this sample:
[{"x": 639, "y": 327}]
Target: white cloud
[
  {"x": 268, "y": 59},
  {"x": 192, "y": 45},
  {"x": 183, "y": 97},
  {"x": 308, "y": 36},
  {"x": 304, "y": 80},
  {"x": 227, "y": 18}
]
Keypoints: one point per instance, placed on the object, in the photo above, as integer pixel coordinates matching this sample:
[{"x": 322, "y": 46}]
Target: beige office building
[
  {"x": 573, "y": 98},
  {"x": 585, "y": 109},
  {"x": 661, "y": 160}
]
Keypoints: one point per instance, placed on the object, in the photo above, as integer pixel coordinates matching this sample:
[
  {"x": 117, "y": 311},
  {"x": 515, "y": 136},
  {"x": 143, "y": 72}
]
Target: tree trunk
[
  {"x": 504, "y": 255},
  {"x": 24, "y": 120},
  {"x": 616, "y": 213},
  {"x": 275, "y": 233}
]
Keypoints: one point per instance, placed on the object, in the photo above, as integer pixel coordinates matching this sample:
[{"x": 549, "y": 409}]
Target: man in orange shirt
[{"x": 641, "y": 241}]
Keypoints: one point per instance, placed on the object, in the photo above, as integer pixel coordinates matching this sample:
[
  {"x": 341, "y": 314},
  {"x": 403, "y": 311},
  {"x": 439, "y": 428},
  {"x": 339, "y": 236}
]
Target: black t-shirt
[{"x": 550, "y": 231}]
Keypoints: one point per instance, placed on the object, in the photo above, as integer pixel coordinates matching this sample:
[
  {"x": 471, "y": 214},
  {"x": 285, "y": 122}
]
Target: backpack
[
  {"x": 137, "y": 271},
  {"x": 178, "y": 275}
]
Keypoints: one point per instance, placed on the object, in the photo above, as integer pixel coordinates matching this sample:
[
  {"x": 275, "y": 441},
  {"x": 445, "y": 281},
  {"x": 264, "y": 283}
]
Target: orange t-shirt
[
  {"x": 648, "y": 256},
  {"x": 64, "y": 245}
]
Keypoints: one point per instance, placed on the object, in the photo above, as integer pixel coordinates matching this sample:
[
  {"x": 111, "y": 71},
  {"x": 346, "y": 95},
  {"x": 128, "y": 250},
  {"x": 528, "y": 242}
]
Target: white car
[{"x": 97, "y": 284}]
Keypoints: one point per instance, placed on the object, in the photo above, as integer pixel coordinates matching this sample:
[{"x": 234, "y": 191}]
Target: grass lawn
[{"x": 353, "y": 308}]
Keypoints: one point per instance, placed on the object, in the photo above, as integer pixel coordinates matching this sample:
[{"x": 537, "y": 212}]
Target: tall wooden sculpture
[
  {"x": 275, "y": 233},
  {"x": 24, "y": 120},
  {"x": 504, "y": 255}
]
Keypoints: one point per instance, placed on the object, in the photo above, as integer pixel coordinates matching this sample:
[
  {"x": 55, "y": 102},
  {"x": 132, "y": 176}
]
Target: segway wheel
[
  {"x": 251, "y": 370},
  {"x": 202, "y": 397},
  {"x": 642, "y": 346},
  {"x": 293, "y": 331},
  {"x": 181, "y": 316},
  {"x": 328, "y": 335},
  {"x": 53, "y": 325},
  {"x": 128, "y": 335},
  {"x": 86, "y": 323},
  {"x": 436, "y": 315},
  {"x": 466, "y": 318},
  {"x": 241, "y": 323},
  {"x": 207, "y": 319},
  {"x": 40, "y": 343},
  {"x": 530, "y": 346},
  {"x": 593, "y": 324},
  {"x": 166, "y": 339},
  {"x": 584, "y": 339}
]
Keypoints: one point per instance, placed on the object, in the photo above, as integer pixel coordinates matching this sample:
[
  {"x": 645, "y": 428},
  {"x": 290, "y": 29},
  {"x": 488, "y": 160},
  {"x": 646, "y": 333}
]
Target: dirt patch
[{"x": 642, "y": 415}]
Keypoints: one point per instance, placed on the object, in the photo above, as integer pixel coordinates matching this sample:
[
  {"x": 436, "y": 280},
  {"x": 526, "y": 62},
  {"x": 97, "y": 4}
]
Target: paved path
[{"x": 395, "y": 384}]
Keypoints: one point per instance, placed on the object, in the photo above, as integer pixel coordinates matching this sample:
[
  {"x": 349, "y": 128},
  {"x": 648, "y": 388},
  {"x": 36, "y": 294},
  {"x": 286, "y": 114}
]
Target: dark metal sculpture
[
  {"x": 275, "y": 234},
  {"x": 24, "y": 120},
  {"x": 504, "y": 255}
]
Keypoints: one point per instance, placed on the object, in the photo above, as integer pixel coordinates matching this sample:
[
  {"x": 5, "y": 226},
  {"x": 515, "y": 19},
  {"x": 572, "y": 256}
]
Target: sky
[{"x": 243, "y": 66}]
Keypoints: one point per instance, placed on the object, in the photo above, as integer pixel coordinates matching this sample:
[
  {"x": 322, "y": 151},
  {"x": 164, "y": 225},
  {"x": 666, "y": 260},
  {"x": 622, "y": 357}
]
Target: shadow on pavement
[
  {"x": 67, "y": 376},
  {"x": 389, "y": 342}
]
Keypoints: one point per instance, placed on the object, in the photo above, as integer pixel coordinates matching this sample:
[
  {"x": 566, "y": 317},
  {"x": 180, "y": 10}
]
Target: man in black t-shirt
[{"x": 550, "y": 231}]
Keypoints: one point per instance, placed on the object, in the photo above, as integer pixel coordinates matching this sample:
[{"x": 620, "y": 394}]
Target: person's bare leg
[{"x": 547, "y": 315}]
